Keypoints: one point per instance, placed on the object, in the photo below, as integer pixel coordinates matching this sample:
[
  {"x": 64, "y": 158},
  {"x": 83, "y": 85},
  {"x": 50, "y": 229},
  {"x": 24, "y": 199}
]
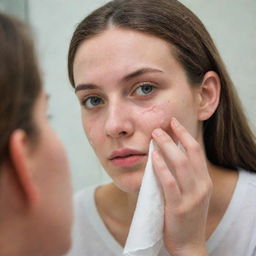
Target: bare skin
[
  {"x": 152, "y": 91},
  {"x": 117, "y": 215},
  {"x": 118, "y": 211}
]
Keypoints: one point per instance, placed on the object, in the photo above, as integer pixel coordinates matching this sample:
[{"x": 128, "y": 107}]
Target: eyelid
[
  {"x": 145, "y": 83},
  {"x": 138, "y": 85},
  {"x": 87, "y": 97},
  {"x": 87, "y": 94}
]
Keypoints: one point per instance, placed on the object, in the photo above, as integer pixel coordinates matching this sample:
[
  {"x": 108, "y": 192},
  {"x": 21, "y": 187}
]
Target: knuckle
[
  {"x": 166, "y": 143},
  {"x": 181, "y": 211},
  {"x": 208, "y": 185},
  {"x": 182, "y": 132},
  {"x": 181, "y": 162},
  {"x": 170, "y": 182},
  {"x": 205, "y": 190},
  {"x": 159, "y": 164},
  {"x": 195, "y": 147}
]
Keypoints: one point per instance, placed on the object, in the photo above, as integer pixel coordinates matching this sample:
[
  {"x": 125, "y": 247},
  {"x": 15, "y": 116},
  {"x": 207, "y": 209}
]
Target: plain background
[{"x": 232, "y": 25}]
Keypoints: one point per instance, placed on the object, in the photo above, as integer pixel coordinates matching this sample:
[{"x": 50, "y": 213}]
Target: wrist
[{"x": 191, "y": 252}]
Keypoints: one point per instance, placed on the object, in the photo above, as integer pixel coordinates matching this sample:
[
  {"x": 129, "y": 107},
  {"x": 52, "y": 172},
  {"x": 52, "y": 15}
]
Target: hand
[{"x": 186, "y": 185}]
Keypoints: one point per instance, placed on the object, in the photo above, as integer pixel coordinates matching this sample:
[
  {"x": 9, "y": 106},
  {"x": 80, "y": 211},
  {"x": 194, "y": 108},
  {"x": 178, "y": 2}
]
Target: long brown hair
[
  {"x": 228, "y": 139},
  {"x": 20, "y": 82}
]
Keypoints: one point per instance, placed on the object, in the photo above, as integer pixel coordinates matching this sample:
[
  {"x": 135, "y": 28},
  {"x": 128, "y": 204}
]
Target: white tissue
[{"x": 146, "y": 231}]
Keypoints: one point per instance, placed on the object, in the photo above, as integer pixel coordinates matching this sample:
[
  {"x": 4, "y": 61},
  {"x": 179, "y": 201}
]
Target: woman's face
[
  {"x": 52, "y": 215},
  {"x": 129, "y": 83}
]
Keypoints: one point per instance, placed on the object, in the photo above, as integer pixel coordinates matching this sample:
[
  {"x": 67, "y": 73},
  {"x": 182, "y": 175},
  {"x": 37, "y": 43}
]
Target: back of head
[
  {"x": 228, "y": 139},
  {"x": 33, "y": 160},
  {"x": 19, "y": 80}
]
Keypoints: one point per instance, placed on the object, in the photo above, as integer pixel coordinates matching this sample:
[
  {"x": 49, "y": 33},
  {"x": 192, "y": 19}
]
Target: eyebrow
[
  {"x": 126, "y": 78},
  {"x": 140, "y": 72},
  {"x": 81, "y": 87}
]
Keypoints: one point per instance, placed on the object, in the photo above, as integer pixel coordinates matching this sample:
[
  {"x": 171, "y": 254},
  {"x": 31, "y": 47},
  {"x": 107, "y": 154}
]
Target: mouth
[{"x": 126, "y": 157}]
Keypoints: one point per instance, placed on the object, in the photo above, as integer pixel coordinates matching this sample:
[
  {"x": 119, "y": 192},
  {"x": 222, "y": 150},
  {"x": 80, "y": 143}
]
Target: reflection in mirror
[{"x": 16, "y": 8}]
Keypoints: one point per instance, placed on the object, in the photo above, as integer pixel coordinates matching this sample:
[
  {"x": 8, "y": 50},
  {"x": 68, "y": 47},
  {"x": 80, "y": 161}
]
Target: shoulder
[
  {"x": 89, "y": 234},
  {"x": 246, "y": 210},
  {"x": 246, "y": 192},
  {"x": 86, "y": 217},
  {"x": 84, "y": 194},
  {"x": 248, "y": 178},
  {"x": 86, "y": 201}
]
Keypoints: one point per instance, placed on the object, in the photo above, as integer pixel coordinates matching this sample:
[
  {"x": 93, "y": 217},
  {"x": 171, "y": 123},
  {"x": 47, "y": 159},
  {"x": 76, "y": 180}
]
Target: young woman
[
  {"x": 35, "y": 188},
  {"x": 147, "y": 70}
]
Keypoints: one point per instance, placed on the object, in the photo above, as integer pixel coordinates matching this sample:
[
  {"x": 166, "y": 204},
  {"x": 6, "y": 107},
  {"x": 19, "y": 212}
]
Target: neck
[
  {"x": 115, "y": 203},
  {"x": 13, "y": 242},
  {"x": 116, "y": 208},
  {"x": 224, "y": 183}
]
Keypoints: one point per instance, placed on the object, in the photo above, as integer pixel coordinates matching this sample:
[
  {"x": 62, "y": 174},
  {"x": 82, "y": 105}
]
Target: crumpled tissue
[{"x": 145, "y": 236}]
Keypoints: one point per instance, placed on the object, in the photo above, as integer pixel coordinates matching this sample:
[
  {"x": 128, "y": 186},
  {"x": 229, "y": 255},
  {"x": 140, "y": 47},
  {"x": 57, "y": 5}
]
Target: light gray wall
[
  {"x": 18, "y": 8},
  {"x": 53, "y": 22},
  {"x": 232, "y": 24}
]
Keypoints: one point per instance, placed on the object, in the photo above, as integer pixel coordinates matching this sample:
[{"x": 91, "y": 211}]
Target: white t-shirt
[{"x": 234, "y": 236}]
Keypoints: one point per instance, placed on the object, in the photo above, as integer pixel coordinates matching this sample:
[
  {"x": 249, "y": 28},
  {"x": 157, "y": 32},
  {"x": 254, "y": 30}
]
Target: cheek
[
  {"x": 157, "y": 116},
  {"x": 93, "y": 131}
]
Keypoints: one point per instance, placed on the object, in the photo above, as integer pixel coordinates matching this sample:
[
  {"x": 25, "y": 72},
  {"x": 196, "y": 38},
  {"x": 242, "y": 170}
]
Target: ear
[
  {"x": 209, "y": 95},
  {"x": 20, "y": 154}
]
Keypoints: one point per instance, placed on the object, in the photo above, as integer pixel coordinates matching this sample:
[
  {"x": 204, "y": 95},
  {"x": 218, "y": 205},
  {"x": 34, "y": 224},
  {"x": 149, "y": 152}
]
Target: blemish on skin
[
  {"x": 153, "y": 108},
  {"x": 156, "y": 115},
  {"x": 157, "y": 108}
]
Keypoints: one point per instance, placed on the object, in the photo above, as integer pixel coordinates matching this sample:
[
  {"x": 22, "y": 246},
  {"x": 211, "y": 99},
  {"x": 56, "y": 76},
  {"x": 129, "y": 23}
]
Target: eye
[
  {"x": 144, "y": 89},
  {"x": 92, "y": 102}
]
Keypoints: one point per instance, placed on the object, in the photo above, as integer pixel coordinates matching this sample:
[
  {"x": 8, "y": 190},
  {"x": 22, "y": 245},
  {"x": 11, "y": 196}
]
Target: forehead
[{"x": 121, "y": 51}]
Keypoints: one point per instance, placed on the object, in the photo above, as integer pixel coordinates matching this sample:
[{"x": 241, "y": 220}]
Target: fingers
[
  {"x": 192, "y": 148},
  {"x": 176, "y": 160},
  {"x": 170, "y": 187},
  {"x": 182, "y": 172}
]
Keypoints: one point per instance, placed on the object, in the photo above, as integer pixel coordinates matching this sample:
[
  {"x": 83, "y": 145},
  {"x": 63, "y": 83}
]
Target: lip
[{"x": 126, "y": 157}]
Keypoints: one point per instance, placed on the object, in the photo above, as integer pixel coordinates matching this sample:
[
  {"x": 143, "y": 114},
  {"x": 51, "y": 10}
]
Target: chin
[{"x": 129, "y": 183}]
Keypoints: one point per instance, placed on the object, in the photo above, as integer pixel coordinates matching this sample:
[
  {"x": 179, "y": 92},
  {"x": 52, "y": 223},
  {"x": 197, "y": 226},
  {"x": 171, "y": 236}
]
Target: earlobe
[
  {"x": 209, "y": 95},
  {"x": 19, "y": 151}
]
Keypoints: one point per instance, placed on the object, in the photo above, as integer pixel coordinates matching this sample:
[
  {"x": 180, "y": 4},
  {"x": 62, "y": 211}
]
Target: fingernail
[{"x": 157, "y": 132}]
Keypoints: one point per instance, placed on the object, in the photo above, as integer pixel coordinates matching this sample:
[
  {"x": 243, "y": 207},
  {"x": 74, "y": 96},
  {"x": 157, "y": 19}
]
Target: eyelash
[
  {"x": 84, "y": 101},
  {"x": 143, "y": 85},
  {"x": 153, "y": 87}
]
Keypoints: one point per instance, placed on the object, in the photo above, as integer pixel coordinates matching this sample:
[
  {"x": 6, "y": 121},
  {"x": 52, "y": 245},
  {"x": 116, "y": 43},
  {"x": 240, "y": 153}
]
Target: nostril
[
  {"x": 118, "y": 127},
  {"x": 123, "y": 133}
]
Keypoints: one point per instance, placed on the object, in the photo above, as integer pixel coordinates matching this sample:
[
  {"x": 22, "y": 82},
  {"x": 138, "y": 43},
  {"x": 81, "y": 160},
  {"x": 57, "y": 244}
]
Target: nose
[{"x": 119, "y": 120}]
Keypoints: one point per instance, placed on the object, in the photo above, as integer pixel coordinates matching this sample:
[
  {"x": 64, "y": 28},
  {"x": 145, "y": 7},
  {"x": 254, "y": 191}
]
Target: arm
[{"x": 187, "y": 187}]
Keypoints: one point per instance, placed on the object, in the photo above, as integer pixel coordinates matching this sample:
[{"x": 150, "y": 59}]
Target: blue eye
[
  {"x": 144, "y": 89},
  {"x": 92, "y": 102}
]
